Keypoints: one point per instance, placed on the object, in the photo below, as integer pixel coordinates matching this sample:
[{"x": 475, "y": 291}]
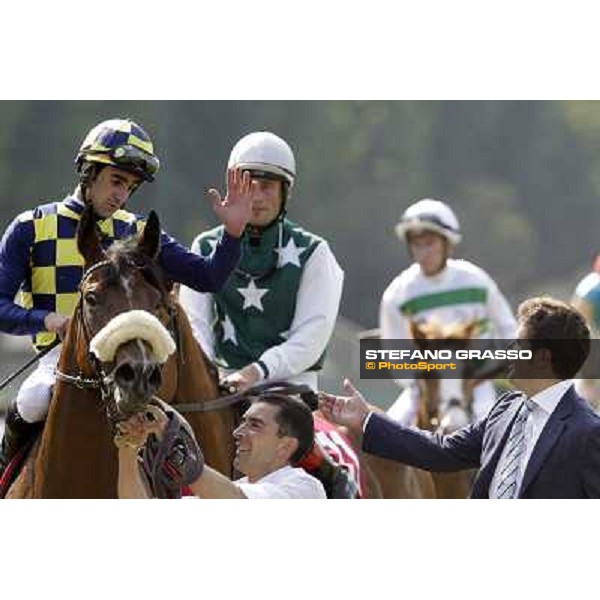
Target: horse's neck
[
  {"x": 77, "y": 457},
  {"x": 193, "y": 378},
  {"x": 194, "y": 383}
]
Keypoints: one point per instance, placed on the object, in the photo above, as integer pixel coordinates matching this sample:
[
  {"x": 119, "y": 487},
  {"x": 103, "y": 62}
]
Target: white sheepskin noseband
[{"x": 131, "y": 325}]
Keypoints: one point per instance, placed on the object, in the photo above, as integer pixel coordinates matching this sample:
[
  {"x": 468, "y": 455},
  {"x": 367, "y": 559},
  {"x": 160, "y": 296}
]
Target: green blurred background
[{"x": 523, "y": 177}]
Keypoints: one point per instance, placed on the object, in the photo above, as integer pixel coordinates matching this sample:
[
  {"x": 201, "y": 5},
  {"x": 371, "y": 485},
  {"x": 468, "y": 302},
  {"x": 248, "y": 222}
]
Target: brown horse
[
  {"x": 391, "y": 479},
  {"x": 75, "y": 456},
  {"x": 445, "y": 403}
]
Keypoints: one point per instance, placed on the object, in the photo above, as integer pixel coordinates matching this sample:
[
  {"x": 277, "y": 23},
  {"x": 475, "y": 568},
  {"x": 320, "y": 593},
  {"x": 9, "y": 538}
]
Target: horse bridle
[{"x": 102, "y": 381}]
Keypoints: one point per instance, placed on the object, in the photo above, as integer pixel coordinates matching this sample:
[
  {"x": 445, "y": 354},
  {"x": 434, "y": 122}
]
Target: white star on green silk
[
  {"x": 252, "y": 296},
  {"x": 213, "y": 247},
  {"x": 229, "y": 331},
  {"x": 289, "y": 254}
]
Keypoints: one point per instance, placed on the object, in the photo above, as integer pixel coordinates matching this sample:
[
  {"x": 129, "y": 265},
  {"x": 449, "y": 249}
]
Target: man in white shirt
[
  {"x": 541, "y": 443},
  {"x": 275, "y": 433},
  {"x": 439, "y": 287}
]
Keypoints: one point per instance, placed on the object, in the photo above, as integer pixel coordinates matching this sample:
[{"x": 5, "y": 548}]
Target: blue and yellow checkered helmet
[{"x": 120, "y": 143}]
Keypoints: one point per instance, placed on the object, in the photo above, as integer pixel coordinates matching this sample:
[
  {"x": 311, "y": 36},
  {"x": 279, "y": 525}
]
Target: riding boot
[{"x": 17, "y": 432}]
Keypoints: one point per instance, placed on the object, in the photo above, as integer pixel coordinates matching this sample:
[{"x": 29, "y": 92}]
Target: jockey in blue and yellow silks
[{"x": 40, "y": 263}]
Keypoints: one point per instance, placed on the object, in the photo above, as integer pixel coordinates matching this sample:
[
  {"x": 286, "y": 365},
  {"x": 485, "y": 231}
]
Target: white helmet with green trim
[{"x": 430, "y": 215}]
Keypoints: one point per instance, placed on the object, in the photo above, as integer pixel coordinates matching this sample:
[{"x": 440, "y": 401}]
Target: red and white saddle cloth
[{"x": 338, "y": 447}]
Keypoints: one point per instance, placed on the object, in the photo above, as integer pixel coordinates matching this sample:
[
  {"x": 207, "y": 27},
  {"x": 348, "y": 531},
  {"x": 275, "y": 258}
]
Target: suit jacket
[{"x": 565, "y": 462}]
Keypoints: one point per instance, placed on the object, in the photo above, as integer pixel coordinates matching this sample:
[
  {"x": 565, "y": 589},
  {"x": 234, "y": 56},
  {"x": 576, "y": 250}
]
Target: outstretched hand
[
  {"x": 351, "y": 410},
  {"x": 235, "y": 210}
]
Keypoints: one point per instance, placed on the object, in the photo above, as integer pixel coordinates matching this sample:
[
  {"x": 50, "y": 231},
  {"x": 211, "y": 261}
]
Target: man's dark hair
[
  {"x": 295, "y": 420},
  {"x": 558, "y": 327}
]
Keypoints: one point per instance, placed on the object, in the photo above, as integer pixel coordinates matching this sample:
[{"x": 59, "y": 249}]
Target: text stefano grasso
[{"x": 498, "y": 354}]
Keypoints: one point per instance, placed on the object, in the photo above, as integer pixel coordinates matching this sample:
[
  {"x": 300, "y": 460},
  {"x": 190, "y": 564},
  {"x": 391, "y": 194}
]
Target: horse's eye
[{"x": 91, "y": 298}]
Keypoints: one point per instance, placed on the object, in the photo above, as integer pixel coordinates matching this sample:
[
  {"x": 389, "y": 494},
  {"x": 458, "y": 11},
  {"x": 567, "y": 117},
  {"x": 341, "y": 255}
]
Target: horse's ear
[
  {"x": 416, "y": 331},
  {"x": 472, "y": 329},
  {"x": 149, "y": 242},
  {"x": 88, "y": 238}
]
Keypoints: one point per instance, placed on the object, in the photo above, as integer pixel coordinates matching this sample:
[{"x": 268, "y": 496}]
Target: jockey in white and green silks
[
  {"x": 448, "y": 290},
  {"x": 275, "y": 315}
]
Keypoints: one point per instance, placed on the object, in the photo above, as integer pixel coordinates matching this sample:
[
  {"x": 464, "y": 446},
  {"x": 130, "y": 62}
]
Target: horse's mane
[{"x": 126, "y": 253}]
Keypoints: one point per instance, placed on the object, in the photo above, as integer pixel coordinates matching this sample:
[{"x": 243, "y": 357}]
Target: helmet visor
[
  {"x": 131, "y": 157},
  {"x": 423, "y": 219}
]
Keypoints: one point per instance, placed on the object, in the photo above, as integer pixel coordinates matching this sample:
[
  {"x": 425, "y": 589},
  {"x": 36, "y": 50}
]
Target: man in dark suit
[{"x": 541, "y": 442}]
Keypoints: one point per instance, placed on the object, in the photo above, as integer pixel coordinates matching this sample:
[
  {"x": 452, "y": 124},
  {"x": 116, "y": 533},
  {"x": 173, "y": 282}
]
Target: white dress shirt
[
  {"x": 544, "y": 404},
  {"x": 291, "y": 483}
]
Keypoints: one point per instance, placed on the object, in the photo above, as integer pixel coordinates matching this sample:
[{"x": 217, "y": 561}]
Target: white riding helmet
[
  {"x": 430, "y": 215},
  {"x": 264, "y": 152}
]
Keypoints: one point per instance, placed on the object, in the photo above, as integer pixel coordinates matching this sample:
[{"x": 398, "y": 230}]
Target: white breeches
[
  {"x": 404, "y": 409},
  {"x": 33, "y": 398}
]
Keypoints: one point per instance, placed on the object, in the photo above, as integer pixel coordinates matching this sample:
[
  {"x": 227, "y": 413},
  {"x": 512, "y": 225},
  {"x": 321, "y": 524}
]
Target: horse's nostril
[
  {"x": 125, "y": 374},
  {"x": 155, "y": 378}
]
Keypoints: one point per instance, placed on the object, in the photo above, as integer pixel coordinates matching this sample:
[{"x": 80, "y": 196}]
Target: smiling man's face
[{"x": 260, "y": 447}]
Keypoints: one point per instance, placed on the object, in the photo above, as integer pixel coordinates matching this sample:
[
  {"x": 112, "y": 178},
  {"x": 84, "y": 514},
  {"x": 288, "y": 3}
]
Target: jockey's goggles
[
  {"x": 424, "y": 220},
  {"x": 260, "y": 174},
  {"x": 129, "y": 156}
]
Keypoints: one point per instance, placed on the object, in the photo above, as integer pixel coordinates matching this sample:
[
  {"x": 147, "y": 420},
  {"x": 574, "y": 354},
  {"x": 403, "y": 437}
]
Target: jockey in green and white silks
[
  {"x": 440, "y": 287},
  {"x": 275, "y": 315}
]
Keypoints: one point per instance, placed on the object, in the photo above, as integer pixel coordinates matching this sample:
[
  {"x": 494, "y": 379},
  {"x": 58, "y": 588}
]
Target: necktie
[{"x": 515, "y": 447}]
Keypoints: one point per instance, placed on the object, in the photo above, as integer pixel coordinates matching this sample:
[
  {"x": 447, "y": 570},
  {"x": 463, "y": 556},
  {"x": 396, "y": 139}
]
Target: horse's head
[
  {"x": 123, "y": 299},
  {"x": 447, "y": 401}
]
